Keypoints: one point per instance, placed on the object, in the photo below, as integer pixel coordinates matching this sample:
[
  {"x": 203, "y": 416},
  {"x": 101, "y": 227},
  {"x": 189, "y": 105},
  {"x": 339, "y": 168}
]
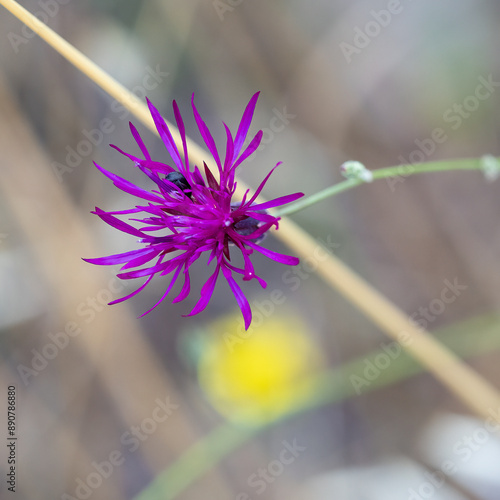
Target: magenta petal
[
  {"x": 262, "y": 184},
  {"x": 197, "y": 177},
  {"x": 245, "y": 122},
  {"x": 282, "y": 200},
  {"x": 250, "y": 149},
  {"x": 278, "y": 257},
  {"x": 130, "y": 295},
  {"x": 135, "y": 159},
  {"x": 139, "y": 141},
  {"x": 262, "y": 283},
  {"x": 261, "y": 216},
  {"x": 142, "y": 259},
  {"x": 229, "y": 155},
  {"x": 207, "y": 136},
  {"x": 167, "y": 291},
  {"x": 140, "y": 273},
  {"x": 173, "y": 264},
  {"x": 240, "y": 297},
  {"x": 182, "y": 132},
  {"x": 117, "y": 223},
  {"x": 248, "y": 272},
  {"x": 128, "y": 187},
  {"x": 130, "y": 211},
  {"x": 186, "y": 288},
  {"x": 246, "y": 277},
  {"x": 207, "y": 291},
  {"x": 165, "y": 135},
  {"x": 156, "y": 166},
  {"x": 119, "y": 258}
]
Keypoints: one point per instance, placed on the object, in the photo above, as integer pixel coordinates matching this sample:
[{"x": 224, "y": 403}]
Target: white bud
[
  {"x": 490, "y": 167},
  {"x": 356, "y": 170}
]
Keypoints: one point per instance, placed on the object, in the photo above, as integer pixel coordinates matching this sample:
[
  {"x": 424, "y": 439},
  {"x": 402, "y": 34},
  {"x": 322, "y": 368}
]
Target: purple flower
[{"x": 187, "y": 215}]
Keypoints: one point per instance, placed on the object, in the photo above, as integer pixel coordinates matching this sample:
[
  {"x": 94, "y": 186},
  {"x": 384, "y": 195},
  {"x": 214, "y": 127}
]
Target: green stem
[
  {"x": 329, "y": 387},
  {"x": 399, "y": 171},
  {"x": 196, "y": 461}
]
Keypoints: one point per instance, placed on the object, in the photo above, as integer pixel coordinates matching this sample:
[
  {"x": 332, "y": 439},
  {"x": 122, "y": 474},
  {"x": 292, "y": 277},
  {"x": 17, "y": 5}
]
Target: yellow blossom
[{"x": 258, "y": 376}]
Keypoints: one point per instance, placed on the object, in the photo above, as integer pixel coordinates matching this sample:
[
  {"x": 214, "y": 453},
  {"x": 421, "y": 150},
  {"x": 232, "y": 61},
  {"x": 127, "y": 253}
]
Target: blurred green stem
[
  {"x": 196, "y": 461},
  {"x": 329, "y": 387},
  {"x": 394, "y": 175}
]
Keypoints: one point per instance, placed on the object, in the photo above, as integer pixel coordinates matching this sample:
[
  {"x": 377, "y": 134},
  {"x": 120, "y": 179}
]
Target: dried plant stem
[{"x": 476, "y": 392}]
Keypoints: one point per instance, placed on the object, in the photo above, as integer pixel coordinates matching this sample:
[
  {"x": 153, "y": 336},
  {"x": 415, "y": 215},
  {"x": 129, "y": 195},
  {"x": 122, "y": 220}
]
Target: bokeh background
[{"x": 300, "y": 407}]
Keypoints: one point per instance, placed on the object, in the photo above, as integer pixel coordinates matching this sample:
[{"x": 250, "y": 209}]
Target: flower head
[{"x": 187, "y": 215}]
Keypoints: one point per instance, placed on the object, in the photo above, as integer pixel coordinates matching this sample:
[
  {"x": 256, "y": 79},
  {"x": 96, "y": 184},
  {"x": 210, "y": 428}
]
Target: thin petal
[
  {"x": 182, "y": 132},
  {"x": 207, "y": 136},
  {"x": 139, "y": 141},
  {"x": 240, "y": 297},
  {"x": 154, "y": 166},
  {"x": 140, "y": 273},
  {"x": 282, "y": 200},
  {"x": 262, "y": 184},
  {"x": 249, "y": 150},
  {"x": 142, "y": 259},
  {"x": 261, "y": 282},
  {"x": 245, "y": 122},
  {"x": 278, "y": 257},
  {"x": 157, "y": 167},
  {"x": 129, "y": 211},
  {"x": 134, "y": 158},
  {"x": 167, "y": 291},
  {"x": 196, "y": 177},
  {"x": 229, "y": 150},
  {"x": 165, "y": 135},
  {"x": 261, "y": 216},
  {"x": 207, "y": 291},
  {"x": 128, "y": 187},
  {"x": 118, "y": 258},
  {"x": 186, "y": 288},
  {"x": 130, "y": 295},
  {"x": 117, "y": 223}
]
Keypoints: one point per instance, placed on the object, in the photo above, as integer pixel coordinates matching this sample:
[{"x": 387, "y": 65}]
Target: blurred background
[{"x": 313, "y": 402}]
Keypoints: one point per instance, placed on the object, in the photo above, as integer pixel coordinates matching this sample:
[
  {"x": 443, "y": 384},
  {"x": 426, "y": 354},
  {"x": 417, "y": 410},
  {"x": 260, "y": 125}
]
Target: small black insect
[{"x": 180, "y": 181}]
